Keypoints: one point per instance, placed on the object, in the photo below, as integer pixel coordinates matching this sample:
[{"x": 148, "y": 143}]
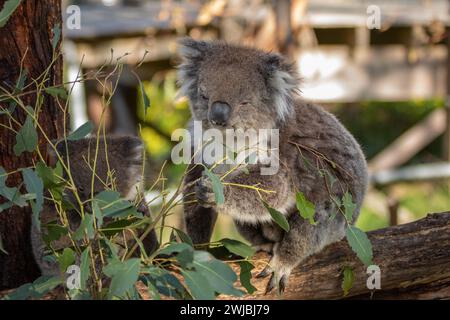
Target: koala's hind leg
[
  {"x": 199, "y": 220},
  {"x": 302, "y": 241}
]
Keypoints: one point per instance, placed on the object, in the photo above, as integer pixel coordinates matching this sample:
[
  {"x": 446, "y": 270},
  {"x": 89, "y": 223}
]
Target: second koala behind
[
  {"x": 235, "y": 87},
  {"x": 121, "y": 159}
]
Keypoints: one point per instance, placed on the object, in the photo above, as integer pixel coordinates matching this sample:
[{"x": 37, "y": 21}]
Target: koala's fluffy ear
[
  {"x": 192, "y": 53},
  {"x": 283, "y": 81}
]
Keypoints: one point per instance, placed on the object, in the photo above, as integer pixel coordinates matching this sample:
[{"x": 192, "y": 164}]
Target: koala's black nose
[{"x": 219, "y": 113}]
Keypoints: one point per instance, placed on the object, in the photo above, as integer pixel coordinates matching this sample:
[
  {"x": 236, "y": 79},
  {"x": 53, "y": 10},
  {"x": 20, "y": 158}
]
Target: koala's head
[
  {"x": 236, "y": 87},
  {"x": 118, "y": 165}
]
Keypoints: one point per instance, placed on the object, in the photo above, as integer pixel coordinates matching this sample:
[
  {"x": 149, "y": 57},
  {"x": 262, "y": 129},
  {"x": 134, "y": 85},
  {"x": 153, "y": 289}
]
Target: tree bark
[
  {"x": 27, "y": 38},
  {"x": 414, "y": 261}
]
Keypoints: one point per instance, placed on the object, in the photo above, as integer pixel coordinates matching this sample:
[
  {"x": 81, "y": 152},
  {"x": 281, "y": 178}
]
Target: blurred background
[{"x": 381, "y": 66}]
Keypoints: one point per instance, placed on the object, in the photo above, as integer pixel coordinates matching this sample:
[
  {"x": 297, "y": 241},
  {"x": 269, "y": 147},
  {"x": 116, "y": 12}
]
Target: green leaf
[
  {"x": 125, "y": 277},
  {"x": 97, "y": 214},
  {"x": 57, "y": 92},
  {"x": 76, "y": 294},
  {"x": 360, "y": 244},
  {"x": 17, "y": 89},
  {"x": 44, "y": 284},
  {"x": 21, "y": 293},
  {"x": 26, "y": 138},
  {"x": 145, "y": 98},
  {"x": 46, "y": 174},
  {"x": 238, "y": 247},
  {"x": 5, "y": 206},
  {"x": 8, "y": 8},
  {"x": 66, "y": 259},
  {"x": 54, "y": 232},
  {"x": 86, "y": 227},
  {"x": 34, "y": 185},
  {"x": 217, "y": 186},
  {"x": 198, "y": 285},
  {"x": 117, "y": 226},
  {"x": 278, "y": 217},
  {"x": 184, "y": 237},
  {"x": 305, "y": 207},
  {"x": 56, "y": 35},
  {"x": 349, "y": 206},
  {"x": 112, "y": 249},
  {"x": 164, "y": 282},
  {"x": 219, "y": 274},
  {"x": 12, "y": 194},
  {"x": 84, "y": 268},
  {"x": 112, "y": 205},
  {"x": 81, "y": 132},
  {"x": 37, "y": 289},
  {"x": 348, "y": 279},
  {"x": 184, "y": 253},
  {"x": 245, "y": 275}
]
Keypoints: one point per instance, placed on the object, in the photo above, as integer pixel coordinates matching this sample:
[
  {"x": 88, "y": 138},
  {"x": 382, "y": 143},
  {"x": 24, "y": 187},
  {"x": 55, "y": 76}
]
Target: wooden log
[{"x": 414, "y": 260}]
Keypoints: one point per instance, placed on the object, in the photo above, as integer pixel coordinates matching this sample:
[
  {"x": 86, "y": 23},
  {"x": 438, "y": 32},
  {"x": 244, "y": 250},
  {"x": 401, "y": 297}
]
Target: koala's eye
[
  {"x": 80, "y": 189},
  {"x": 203, "y": 96},
  {"x": 245, "y": 103}
]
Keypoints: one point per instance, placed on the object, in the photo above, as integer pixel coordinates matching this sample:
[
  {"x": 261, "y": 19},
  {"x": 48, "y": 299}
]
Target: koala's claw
[
  {"x": 204, "y": 192},
  {"x": 265, "y": 272},
  {"x": 275, "y": 283},
  {"x": 279, "y": 278}
]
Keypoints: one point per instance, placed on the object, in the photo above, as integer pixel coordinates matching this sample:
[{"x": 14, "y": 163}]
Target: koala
[
  {"x": 236, "y": 87},
  {"x": 124, "y": 161}
]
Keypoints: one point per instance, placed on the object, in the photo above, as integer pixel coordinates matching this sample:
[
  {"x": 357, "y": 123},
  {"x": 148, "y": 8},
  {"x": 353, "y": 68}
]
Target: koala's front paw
[
  {"x": 279, "y": 272},
  {"x": 204, "y": 192}
]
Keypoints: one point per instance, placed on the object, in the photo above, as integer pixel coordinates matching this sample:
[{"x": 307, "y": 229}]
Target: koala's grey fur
[
  {"x": 124, "y": 160},
  {"x": 262, "y": 90}
]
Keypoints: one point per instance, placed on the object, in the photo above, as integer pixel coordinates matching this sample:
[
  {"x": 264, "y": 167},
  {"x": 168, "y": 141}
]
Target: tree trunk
[
  {"x": 414, "y": 260},
  {"x": 27, "y": 39}
]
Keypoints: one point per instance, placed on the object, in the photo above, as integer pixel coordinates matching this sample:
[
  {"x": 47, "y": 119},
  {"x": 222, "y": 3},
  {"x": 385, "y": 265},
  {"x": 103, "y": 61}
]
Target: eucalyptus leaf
[
  {"x": 34, "y": 185},
  {"x": 84, "y": 268},
  {"x": 86, "y": 228},
  {"x": 217, "y": 186},
  {"x": 245, "y": 275},
  {"x": 198, "y": 285},
  {"x": 145, "y": 98},
  {"x": 57, "y": 92},
  {"x": 164, "y": 282},
  {"x": 347, "y": 280},
  {"x": 277, "y": 216},
  {"x": 237, "y": 247},
  {"x": 56, "y": 35},
  {"x": 219, "y": 274},
  {"x": 26, "y": 138},
  {"x": 184, "y": 253},
  {"x": 184, "y": 237},
  {"x": 124, "y": 279},
  {"x": 305, "y": 207},
  {"x": 12, "y": 194},
  {"x": 349, "y": 206},
  {"x": 66, "y": 259},
  {"x": 8, "y": 9},
  {"x": 360, "y": 244},
  {"x": 81, "y": 132}
]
